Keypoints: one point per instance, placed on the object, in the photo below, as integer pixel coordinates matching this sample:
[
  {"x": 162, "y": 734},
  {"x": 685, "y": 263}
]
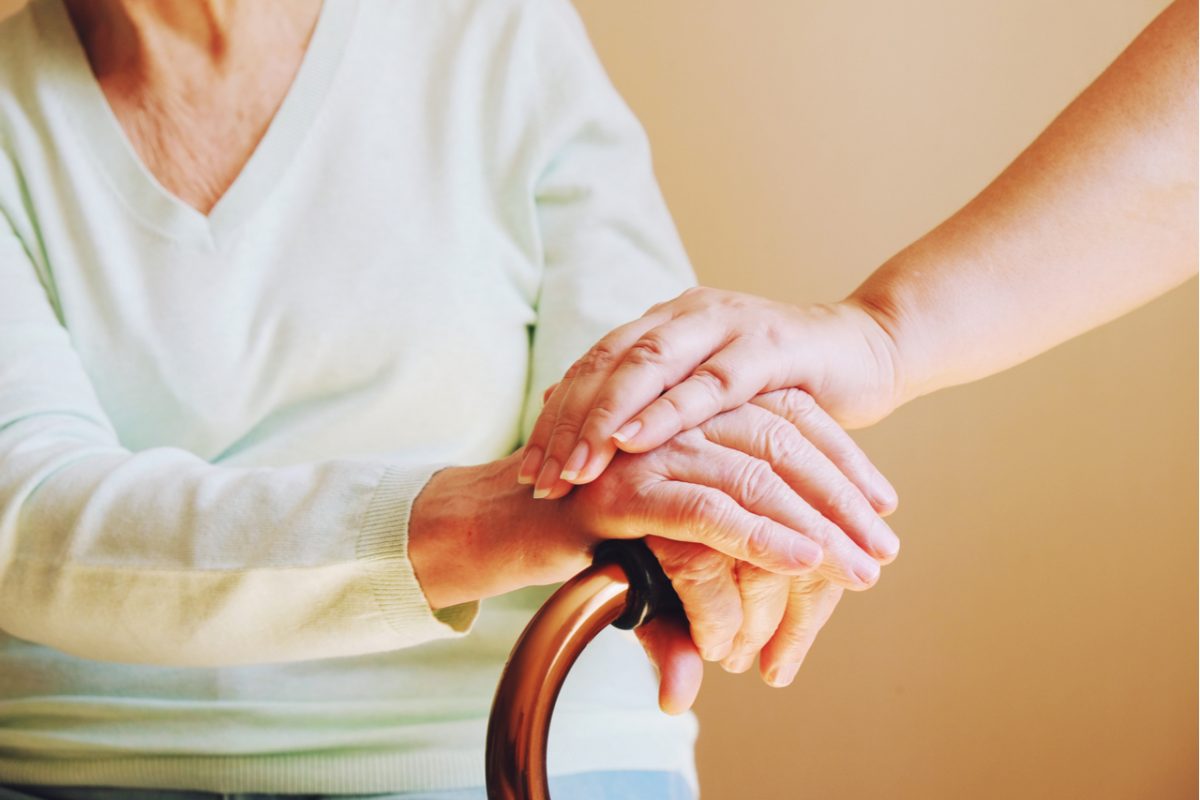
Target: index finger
[
  {"x": 659, "y": 359},
  {"x": 591, "y": 368}
]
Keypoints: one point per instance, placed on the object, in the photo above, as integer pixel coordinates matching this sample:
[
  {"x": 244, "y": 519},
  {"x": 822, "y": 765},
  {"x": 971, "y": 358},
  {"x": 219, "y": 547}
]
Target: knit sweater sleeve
[{"x": 160, "y": 557}]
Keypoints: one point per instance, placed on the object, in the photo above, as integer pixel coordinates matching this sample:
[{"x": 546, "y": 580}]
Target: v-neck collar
[{"x": 72, "y": 79}]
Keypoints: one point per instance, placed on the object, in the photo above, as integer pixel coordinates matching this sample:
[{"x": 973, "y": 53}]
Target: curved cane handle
[{"x": 626, "y": 587}]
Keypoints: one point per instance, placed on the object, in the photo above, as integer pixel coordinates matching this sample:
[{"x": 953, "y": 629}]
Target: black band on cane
[{"x": 650, "y": 592}]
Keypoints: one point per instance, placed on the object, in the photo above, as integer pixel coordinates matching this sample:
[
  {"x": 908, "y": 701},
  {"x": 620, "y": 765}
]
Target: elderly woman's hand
[
  {"x": 780, "y": 615},
  {"x": 766, "y": 491}
]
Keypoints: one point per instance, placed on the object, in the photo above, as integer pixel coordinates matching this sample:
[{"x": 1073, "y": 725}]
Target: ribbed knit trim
[
  {"x": 287, "y": 774},
  {"x": 383, "y": 545},
  {"x": 665, "y": 744}
]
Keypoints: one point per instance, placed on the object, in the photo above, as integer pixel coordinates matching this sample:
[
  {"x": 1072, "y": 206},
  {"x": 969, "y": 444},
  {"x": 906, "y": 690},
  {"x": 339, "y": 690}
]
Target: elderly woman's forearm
[{"x": 1095, "y": 218}]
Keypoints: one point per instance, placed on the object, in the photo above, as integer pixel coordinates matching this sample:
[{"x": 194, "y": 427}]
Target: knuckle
[
  {"x": 845, "y": 504},
  {"x": 725, "y": 625},
  {"x": 701, "y": 574},
  {"x": 599, "y": 422},
  {"x": 782, "y": 443},
  {"x": 561, "y": 438},
  {"x": 541, "y": 431},
  {"x": 671, "y": 404},
  {"x": 798, "y": 402},
  {"x": 776, "y": 335},
  {"x": 651, "y": 349},
  {"x": 741, "y": 302},
  {"x": 716, "y": 628},
  {"x": 600, "y": 358},
  {"x": 717, "y": 377},
  {"x": 754, "y": 634},
  {"x": 757, "y": 584},
  {"x": 704, "y": 512},
  {"x": 760, "y": 542},
  {"x": 755, "y": 482},
  {"x": 565, "y": 426},
  {"x": 821, "y": 531}
]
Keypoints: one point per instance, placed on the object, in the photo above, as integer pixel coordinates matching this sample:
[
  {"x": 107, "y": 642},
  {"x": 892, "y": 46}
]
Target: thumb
[{"x": 668, "y": 643}]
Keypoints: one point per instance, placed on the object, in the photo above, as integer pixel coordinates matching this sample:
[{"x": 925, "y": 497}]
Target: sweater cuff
[{"x": 383, "y": 546}]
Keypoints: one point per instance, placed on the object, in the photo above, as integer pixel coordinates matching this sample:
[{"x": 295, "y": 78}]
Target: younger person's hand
[{"x": 690, "y": 358}]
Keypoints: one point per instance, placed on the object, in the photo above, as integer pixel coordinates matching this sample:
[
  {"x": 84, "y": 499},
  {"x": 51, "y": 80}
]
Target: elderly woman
[{"x": 267, "y": 270}]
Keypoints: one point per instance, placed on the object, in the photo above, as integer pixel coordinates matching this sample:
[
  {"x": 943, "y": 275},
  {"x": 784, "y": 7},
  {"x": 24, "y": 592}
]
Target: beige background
[{"x": 1037, "y": 639}]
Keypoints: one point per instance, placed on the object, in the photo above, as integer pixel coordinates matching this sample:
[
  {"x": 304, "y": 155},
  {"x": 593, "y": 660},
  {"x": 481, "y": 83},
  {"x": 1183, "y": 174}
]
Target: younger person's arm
[{"x": 1095, "y": 218}]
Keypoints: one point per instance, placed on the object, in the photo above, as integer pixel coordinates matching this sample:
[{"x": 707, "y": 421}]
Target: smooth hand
[{"x": 704, "y": 352}]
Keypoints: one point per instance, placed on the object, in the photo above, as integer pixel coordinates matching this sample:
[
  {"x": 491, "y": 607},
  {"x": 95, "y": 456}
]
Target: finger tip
[
  {"x": 736, "y": 665},
  {"x": 560, "y": 490},
  {"x": 780, "y": 676},
  {"x": 717, "y": 652},
  {"x": 677, "y": 700},
  {"x": 547, "y": 480},
  {"x": 865, "y": 576},
  {"x": 888, "y": 554},
  {"x": 670, "y": 710},
  {"x": 627, "y": 432},
  {"x": 642, "y": 440},
  {"x": 593, "y": 469},
  {"x": 633, "y": 446},
  {"x": 885, "y": 505}
]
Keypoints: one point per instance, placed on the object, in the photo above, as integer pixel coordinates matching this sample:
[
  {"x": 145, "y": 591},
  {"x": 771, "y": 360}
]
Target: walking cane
[{"x": 624, "y": 587}]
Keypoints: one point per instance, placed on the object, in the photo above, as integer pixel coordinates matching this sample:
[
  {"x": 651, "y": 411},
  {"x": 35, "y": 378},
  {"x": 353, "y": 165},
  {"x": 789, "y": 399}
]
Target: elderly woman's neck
[
  {"x": 156, "y": 38},
  {"x": 194, "y": 84}
]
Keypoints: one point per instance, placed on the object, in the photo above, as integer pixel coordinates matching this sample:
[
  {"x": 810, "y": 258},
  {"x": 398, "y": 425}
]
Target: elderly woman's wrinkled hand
[
  {"x": 760, "y": 517},
  {"x": 778, "y": 461}
]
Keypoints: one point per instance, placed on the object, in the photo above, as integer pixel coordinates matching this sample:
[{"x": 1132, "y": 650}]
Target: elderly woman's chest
[{"x": 363, "y": 335}]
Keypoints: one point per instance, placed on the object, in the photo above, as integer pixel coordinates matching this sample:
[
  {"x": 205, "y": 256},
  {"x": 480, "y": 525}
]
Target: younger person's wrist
[{"x": 883, "y": 325}]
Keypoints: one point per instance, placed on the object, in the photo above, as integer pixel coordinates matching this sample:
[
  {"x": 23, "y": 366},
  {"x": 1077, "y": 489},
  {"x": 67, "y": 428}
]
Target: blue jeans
[{"x": 584, "y": 786}]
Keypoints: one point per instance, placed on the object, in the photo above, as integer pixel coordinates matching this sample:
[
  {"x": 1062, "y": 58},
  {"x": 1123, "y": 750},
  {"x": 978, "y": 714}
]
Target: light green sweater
[{"x": 212, "y": 428}]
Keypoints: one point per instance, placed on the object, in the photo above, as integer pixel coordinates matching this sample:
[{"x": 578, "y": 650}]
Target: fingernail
[
  {"x": 738, "y": 664},
  {"x": 546, "y": 479},
  {"x": 717, "y": 653},
  {"x": 529, "y": 465},
  {"x": 628, "y": 431},
  {"x": 885, "y": 542},
  {"x": 590, "y": 471},
  {"x": 575, "y": 462},
  {"x": 867, "y": 571},
  {"x": 883, "y": 493},
  {"x": 782, "y": 675}
]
